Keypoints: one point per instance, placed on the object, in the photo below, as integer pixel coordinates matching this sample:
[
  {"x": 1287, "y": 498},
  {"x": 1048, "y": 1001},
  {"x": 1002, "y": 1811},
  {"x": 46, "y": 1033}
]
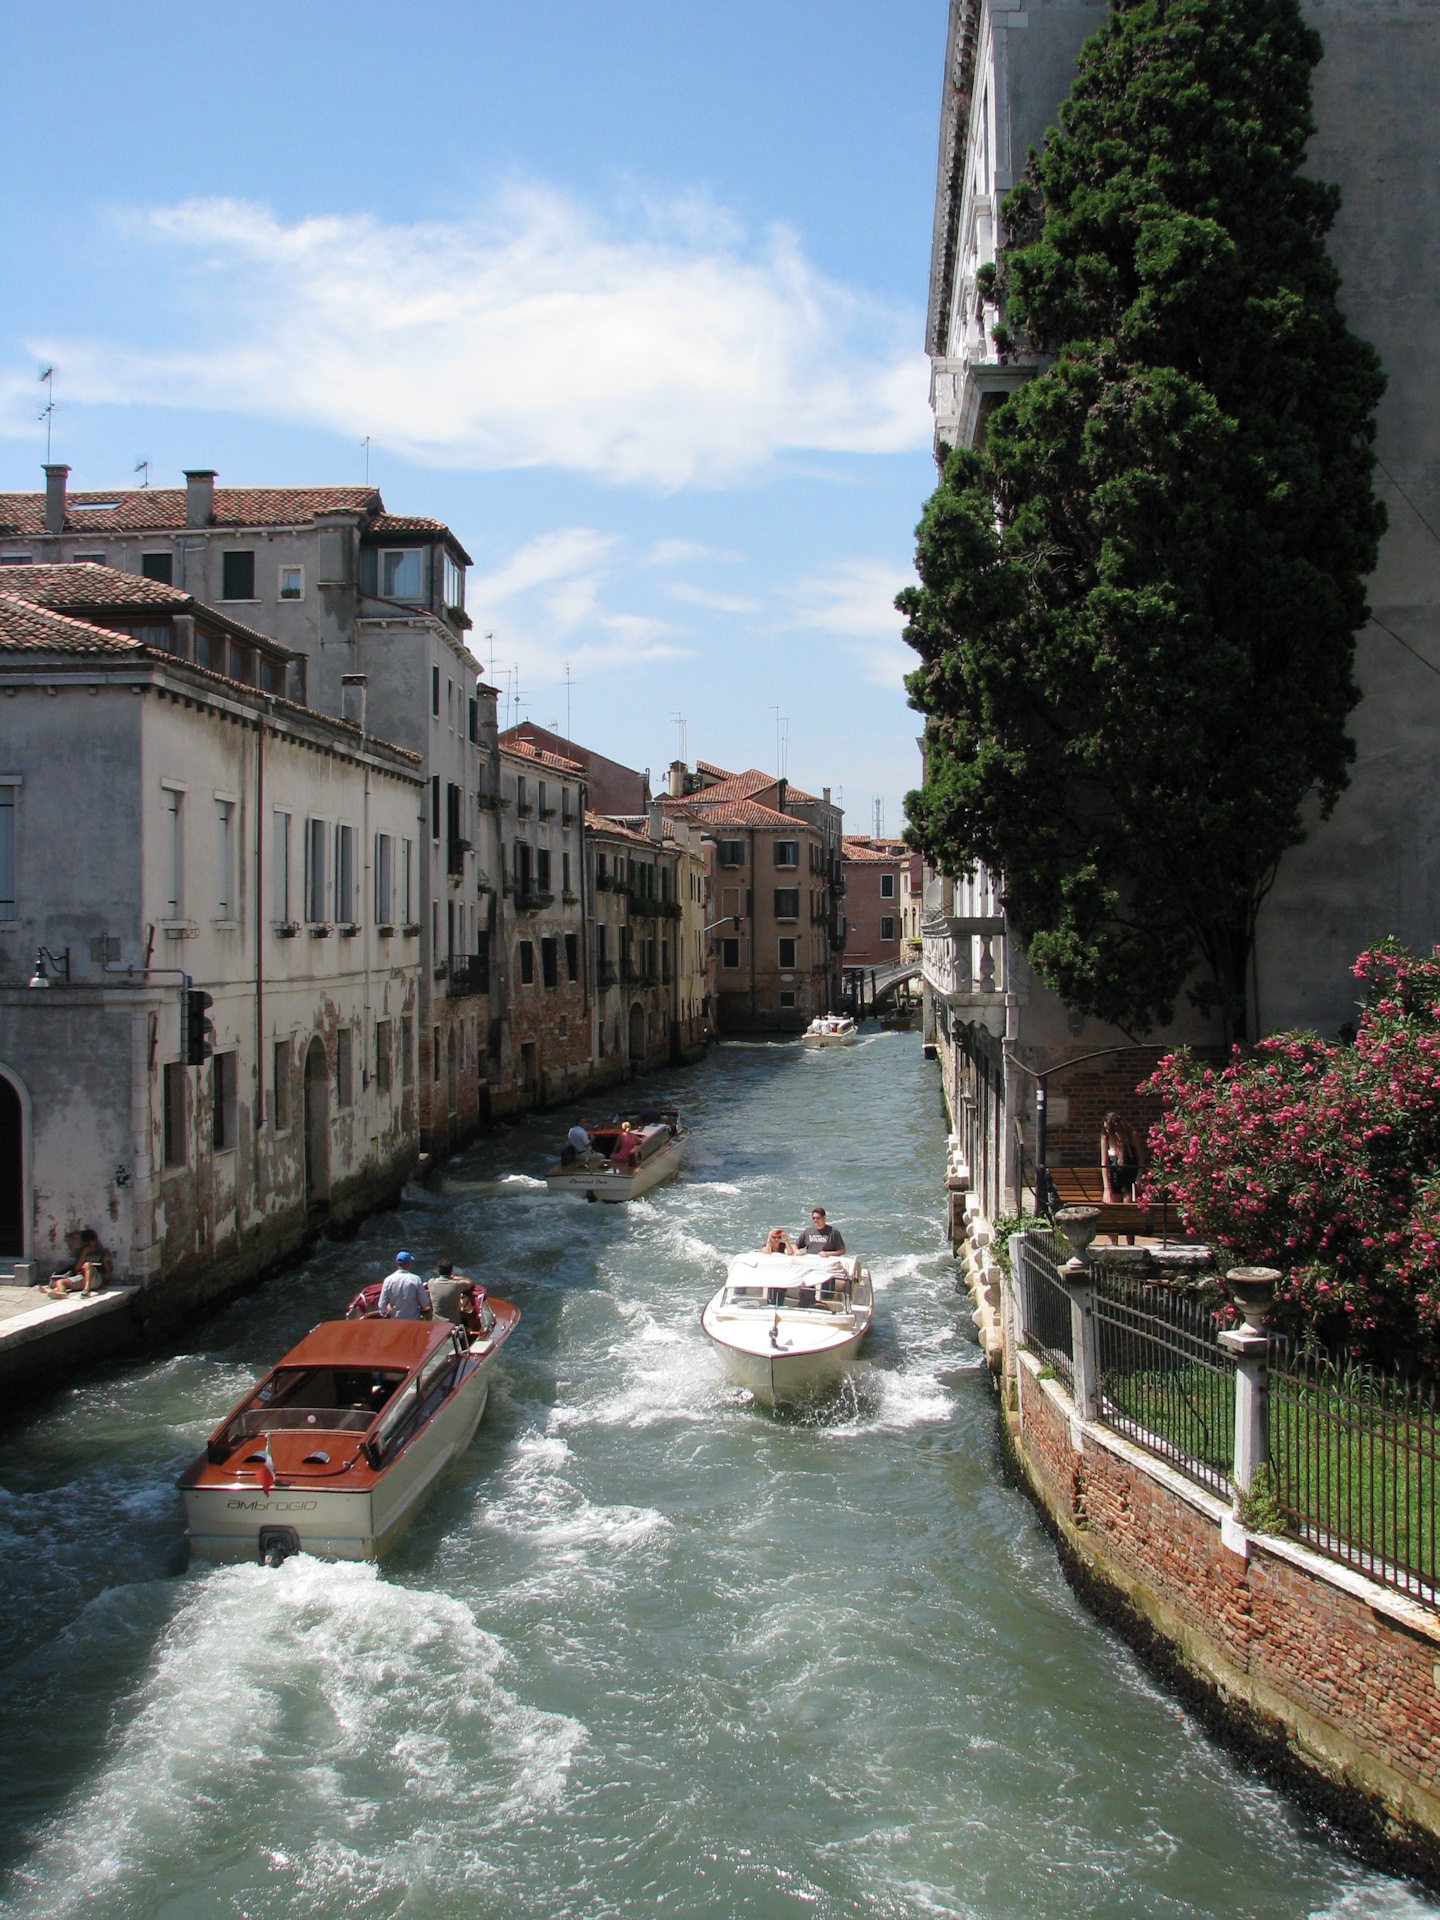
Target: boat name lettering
[{"x": 273, "y": 1506}]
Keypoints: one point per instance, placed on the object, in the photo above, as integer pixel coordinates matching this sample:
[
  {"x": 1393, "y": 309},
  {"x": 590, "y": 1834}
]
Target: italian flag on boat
[{"x": 267, "y": 1470}]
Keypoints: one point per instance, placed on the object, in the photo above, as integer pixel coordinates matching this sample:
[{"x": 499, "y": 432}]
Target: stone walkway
[{"x": 27, "y": 1314}]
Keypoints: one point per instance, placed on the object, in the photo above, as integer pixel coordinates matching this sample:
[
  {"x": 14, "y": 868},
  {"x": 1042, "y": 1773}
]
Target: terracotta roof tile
[
  {"x": 526, "y": 750},
  {"x": 26, "y": 628},
  {"x": 162, "y": 509},
  {"x": 731, "y": 813},
  {"x": 82, "y": 588},
  {"x": 866, "y": 851}
]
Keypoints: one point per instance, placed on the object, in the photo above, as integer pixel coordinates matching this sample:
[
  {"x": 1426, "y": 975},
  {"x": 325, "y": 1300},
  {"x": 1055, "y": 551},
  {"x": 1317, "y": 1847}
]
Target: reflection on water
[{"x": 646, "y": 1647}]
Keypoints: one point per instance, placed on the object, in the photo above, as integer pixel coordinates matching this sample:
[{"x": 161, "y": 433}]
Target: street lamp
[{"x": 61, "y": 963}]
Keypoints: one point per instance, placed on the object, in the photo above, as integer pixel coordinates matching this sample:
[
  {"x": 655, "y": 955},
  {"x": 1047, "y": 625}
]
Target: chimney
[
  {"x": 182, "y": 636},
  {"x": 657, "y": 821},
  {"x": 352, "y": 698},
  {"x": 199, "y": 496},
  {"x": 825, "y": 791},
  {"x": 781, "y": 785},
  {"x": 55, "y": 478},
  {"x": 677, "y": 779}
]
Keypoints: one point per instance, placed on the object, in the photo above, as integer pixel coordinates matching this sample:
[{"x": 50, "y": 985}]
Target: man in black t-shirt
[{"x": 817, "y": 1237}]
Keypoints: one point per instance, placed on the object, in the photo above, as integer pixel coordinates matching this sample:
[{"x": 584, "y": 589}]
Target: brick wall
[
  {"x": 1087, "y": 1094},
  {"x": 1330, "y": 1683}
]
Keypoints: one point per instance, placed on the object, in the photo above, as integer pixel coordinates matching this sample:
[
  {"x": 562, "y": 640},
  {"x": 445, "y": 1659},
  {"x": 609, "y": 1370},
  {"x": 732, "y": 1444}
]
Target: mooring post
[{"x": 1254, "y": 1290}]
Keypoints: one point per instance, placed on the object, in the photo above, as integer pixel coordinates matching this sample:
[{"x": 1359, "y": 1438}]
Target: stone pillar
[
  {"x": 1078, "y": 1225},
  {"x": 1254, "y": 1289}
]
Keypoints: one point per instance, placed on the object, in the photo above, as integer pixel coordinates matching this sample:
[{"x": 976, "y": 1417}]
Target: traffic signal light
[{"x": 198, "y": 1031}]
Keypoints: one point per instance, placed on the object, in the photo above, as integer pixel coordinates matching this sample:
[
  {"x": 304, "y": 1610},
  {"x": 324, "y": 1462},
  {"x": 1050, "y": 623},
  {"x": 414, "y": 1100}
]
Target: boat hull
[
  {"x": 788, "y": 1354},
  {"x": 609, "y": 1184},
  {"x": 829, "y": 1039},
  {"x": 788, "y": 1379},
  {"x": 224, "y": 1524}
]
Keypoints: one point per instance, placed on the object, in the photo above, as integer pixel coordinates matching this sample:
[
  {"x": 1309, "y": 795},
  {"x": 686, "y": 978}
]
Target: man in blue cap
[{"x": 404, "y": 1295}]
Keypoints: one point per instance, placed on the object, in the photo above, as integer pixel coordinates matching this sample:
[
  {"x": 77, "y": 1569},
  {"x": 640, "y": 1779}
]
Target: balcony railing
[
  {"x": 455, "y": 853},
  {"x": 529, "y": 898},
  {"x": 605, "y": 974},
  {"x": 468, "y": 976}
]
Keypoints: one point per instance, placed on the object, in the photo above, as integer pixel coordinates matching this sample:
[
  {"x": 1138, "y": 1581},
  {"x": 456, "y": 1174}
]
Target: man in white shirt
[
  {"x": 404, "y": 1294},
  {"x": 577, "y": 1145}
]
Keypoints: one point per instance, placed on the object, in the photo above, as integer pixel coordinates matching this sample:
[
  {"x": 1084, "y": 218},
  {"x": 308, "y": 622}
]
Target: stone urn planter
[
  {"x": 1253, "y": 1290},
  {"x": 1079, "y": 1226}
]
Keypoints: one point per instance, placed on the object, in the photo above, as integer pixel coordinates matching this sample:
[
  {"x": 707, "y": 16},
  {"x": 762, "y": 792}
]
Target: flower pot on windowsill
[
  {"x": 319, "y": 933},
  {"x": 286, "y": 929},
  {"x": 412, "y": 931},
  {"x": 385, "y": 932},
  {"x": 349, "y": 930}
]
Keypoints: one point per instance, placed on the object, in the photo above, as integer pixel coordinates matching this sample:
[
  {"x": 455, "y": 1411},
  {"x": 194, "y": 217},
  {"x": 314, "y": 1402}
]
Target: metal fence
[
  {"x": 1353, "y": 1466},
  {"x": 1042, "y": 1301},
  {"x": 1165, "y": 1382}
]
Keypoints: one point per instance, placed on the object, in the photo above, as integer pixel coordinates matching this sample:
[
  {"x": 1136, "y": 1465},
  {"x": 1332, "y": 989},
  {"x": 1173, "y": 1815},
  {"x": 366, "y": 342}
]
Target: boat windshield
[{"x": 339, "y": 1399}]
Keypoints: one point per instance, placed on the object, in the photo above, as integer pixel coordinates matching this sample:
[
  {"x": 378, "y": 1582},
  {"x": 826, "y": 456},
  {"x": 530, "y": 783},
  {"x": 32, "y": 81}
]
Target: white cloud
[
  {"x": 716, "y": 602},
  {"x": 681, "y": 553},
  {"x": 532, "y": 336},
  {"x": 856, "y": 601}
]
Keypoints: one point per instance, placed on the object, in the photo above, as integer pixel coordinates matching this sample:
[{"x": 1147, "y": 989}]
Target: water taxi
[
  {"x": 830, "y": 1030},
  {"x": 787, "y": 1326},
  {"x": 336, "y": 1446},
  {"x": 635, "y": 1152}
]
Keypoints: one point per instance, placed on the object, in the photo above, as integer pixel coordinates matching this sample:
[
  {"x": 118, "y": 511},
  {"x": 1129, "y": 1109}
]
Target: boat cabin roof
[{"x": 369, "y": 1343}]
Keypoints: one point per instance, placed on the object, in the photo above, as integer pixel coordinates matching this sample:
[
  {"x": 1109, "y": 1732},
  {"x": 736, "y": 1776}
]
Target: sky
[{"x": 632, "y": 297}]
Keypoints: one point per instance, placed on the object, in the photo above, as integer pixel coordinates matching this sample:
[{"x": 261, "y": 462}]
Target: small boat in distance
[
  {"x": 830, "y": 1030},
  {"x": 787, "y": 1326},
  {"x": 335, "y": 1447},
  {"x": 635, "y": 1152}
]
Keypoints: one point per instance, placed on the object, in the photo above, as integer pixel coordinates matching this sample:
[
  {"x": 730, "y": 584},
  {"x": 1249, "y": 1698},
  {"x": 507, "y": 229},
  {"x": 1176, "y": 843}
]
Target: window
[
  {"x": 787, "y": 853},
  {"x": 224, "y": 860},
  {"x": 787, "y": 955},
  {"x": 732, "y": 853},
  {"x": 565, "y": 873},
  {"x": 480, "y": 965},
  {"x": 550, "y": 962},
  {"x": 174, "y": 853},
  {"x": 315, "y": 872},
  {"x": 572, "y": 956},
  {"x": 887, "y": 927},
  {"x": 450, "y": 704},
  {"x": 222, "y": 1102},
  {"x": 544, "y": 809},
  {"x": 161, "y": 567},
  {"x": 345, "y": 875},
  {"x": 887, "y": 886},
  {"x": 527, "y": 964},
  {"x": 665, "y": 962},
  {"x": 730, "y": 953},
  {"x": 435, "y": 933},
  {"x": 787, "y": 996},
  {"x": 382, "y": 1056},
  {"x": 787, "y": 903},
  {"x": 542, "y": 869},
  {"x": 344, "y": 1068},
  {"x": 407, "y": 892},
  {"x": 281, "y": 1084},
  {"x": 400, "y": 574},
  {"x": 280, "y": 869},
  {"x": 474, "y": 722},
  {"x": 600, "y": 875},
  {"x": 292, "y": 583},
  {"x": 434, "y": 806},
  {"x": 7, "y": 852},
  {"x": 174, "y": 1115},
  {"x": 435, "y": 1054},
  {"x": 454, "y": 587},
  {"x": 237, "y": 576},
  {"x": 521, "y": 804},
  {"x": 407, "y": 1052},
  {"x": 564, "y": 806},
  {"x": 384, "y": 880},
  {"x": 435, "y": 691},
  {"x": 93, "y": 559}
]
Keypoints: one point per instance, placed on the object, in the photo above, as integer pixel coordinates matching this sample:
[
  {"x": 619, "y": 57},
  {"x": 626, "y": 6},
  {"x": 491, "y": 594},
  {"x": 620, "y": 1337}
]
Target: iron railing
[
  {"x": 1353, "y": 1466},
  {"x": 1165, "y": 1380},
  {"x": 1042, "y": 1301}
]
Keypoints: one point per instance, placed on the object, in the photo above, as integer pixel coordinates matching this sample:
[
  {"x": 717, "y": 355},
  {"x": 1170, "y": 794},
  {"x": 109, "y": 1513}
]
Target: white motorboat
[
  {"x": 830, "y": 1030},
  {"x": 336, "y": 1446},
  {"x": 634, "y": 1153},
  {"x": 788, "y": 1326}
]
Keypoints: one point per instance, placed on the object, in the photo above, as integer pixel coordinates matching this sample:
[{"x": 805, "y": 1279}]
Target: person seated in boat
[
  {"x": 819, "y": 1237},
  {"x": 578, "y": 1143},
  {"x": 88, "y": 1271},
  {"x": 404, "y": 1294},
  {"x": 447, "y": 1290},
  {"x": 777, "y": 1241}
]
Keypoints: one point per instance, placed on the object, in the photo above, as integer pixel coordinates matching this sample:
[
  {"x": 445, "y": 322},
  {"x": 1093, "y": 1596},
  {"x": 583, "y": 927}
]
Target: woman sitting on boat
[{"x": 777, "y": 1241}]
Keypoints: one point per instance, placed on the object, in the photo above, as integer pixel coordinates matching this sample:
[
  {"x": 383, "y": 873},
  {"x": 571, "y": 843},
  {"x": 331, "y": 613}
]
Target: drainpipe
[
  {"x": 259, "y": 942},
  {"x": 750, "y": 917}
]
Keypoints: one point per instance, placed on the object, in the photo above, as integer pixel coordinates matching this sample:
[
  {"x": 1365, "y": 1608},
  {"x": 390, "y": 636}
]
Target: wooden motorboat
[
  {"x": 635, "y": 1152},
  {"x": 788, "y": 1326},
  {"x": 830, "y": 1030},
  {"x": 336, "y": 1446}
]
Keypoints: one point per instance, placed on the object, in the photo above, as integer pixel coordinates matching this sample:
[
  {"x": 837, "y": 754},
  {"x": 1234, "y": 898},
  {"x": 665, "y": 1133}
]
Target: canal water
[{"x": 647, "y": 1649}]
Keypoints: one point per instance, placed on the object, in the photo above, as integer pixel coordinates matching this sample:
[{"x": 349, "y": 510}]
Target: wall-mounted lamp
[{"x": 59, "y": 962}]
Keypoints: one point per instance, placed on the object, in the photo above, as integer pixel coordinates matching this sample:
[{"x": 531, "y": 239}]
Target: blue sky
[{"x": 631, "y": 296}]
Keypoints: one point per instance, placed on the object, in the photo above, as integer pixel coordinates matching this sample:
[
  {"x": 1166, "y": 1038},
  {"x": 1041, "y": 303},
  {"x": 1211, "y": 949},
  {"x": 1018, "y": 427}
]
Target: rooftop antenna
[
  {"x": 776, "y": 712},
  {"x": 785, "y": 748},
  {"x": 879, "y": 816},
  {"x": 567, "y": 700},
  {"x": 491, "y": 638},
  {"x": 679, "y": 720},
  {"x": 365, "y": 443},
  {"x": 47, "y": 412},
  {"x": 516, "y": 684},
  {"x": 143, "y": 466}
]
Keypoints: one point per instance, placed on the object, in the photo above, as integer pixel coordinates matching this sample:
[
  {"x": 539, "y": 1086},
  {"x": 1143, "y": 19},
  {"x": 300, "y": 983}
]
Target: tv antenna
[
  {"x": 365, "y": 443},
  {"x": 491, "y": 638},
  {"x": 567, "y": 700},
  {"x": 879, "y": 816},
  {"x": 680, "y": 739},
  {"x": 776, "y": 712},
  {"x": 143, "y": 466},
  {"x": 47, "y": 412}
]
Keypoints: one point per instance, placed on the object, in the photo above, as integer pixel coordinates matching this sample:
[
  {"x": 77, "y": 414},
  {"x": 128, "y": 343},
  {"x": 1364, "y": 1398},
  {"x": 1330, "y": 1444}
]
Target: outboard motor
[{"x": 277, "y": 1544}]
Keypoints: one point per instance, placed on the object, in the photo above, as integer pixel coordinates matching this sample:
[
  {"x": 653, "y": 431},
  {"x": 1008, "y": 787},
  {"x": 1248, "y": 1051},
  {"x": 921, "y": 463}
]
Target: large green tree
[{"x": 1139, "y": 595}]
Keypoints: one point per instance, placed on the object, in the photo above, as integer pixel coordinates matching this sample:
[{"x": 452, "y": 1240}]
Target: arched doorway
[
  {"x": 317, "y": 1123},
  {"x": 12, "y": 1173},
  {"x": 637, "y": 1034}
]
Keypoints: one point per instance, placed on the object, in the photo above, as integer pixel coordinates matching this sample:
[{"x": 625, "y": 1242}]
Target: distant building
[
  {"x": 616, "y": 790},
  {"x": 652, "y": 1000},
  {"x": 874, "y": 870},
  {"x": 164, "y": 823}
]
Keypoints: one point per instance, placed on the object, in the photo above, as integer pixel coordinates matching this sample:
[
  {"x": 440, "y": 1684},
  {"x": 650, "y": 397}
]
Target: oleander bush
[{"x": 1320, "y": 1159}]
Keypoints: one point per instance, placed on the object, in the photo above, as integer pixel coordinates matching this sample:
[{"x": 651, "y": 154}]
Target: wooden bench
[{"x": 1085, "y": 1187}]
